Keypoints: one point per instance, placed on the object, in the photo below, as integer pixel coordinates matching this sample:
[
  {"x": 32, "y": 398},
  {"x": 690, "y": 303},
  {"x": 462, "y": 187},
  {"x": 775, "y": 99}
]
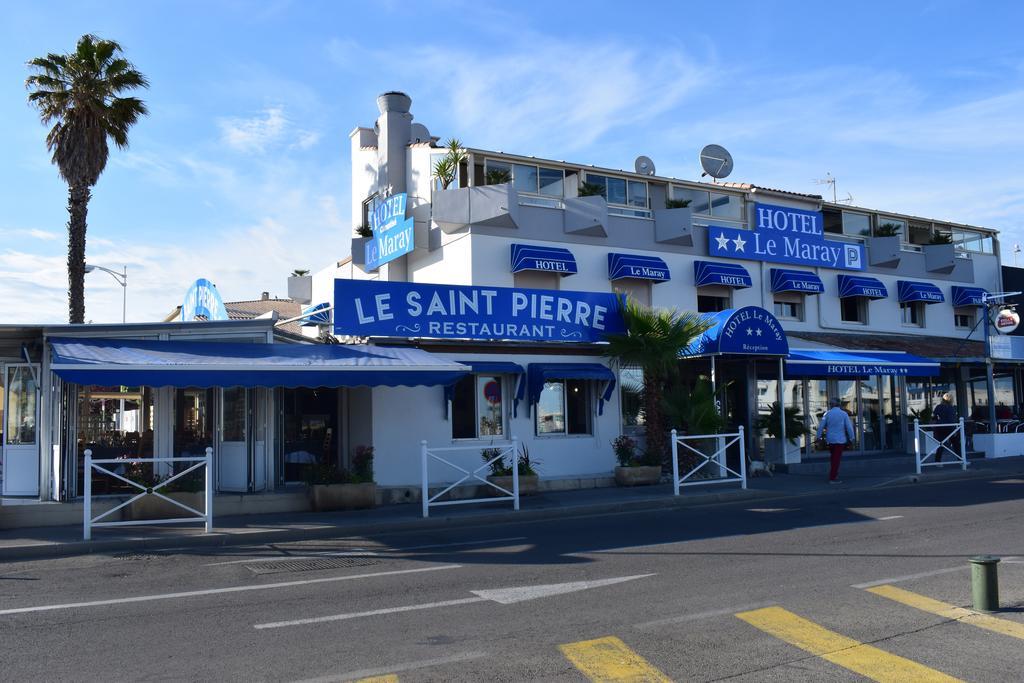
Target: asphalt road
[{"x": 642, "y": 596}]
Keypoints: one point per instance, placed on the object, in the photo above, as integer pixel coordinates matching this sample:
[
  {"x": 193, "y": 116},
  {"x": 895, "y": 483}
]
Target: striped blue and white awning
[
  {"x": 968, "y": 296},
  {"x": 925, "y": 292},
  {"x": 637, "y": 266},
  {"x": 789, "y": 280},
  {"x": 549, "y": 259},
  {"x": 719, "y": 273},
  {"x": 861, "y": 285},
  {"x": 320, "y": 314}
]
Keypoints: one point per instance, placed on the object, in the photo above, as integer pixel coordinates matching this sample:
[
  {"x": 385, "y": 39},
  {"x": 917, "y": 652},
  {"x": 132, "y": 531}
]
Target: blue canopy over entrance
[
  {"x": 751, "y": 331},
  {"x": 839, "y": 363},
  {"x": 135, "y": 362}
]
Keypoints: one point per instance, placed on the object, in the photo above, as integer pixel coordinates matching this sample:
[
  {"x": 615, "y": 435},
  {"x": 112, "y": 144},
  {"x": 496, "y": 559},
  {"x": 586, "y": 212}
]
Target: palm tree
[
  {"x": 80, "y": 94},
  {"x": 652, "y": 342}
]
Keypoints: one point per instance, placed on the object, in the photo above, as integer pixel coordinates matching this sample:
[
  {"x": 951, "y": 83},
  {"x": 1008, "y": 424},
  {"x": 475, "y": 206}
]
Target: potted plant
[
  {"x": 884, "y": 246},
  {"x": 634, "y": 470},
  {"x": 677, "y": 203},
  {"x": 446, "y": 169},
  {"x": 334, "y": 488},
  {"x": 940, "y": 253},
  {"x": 501, "y": 473},
  {"x": 497, "y": 176},
  {"x": 591, "y": 190},
  {"x": 775, "y": 449},
  {"x": 695, "y": 409}
]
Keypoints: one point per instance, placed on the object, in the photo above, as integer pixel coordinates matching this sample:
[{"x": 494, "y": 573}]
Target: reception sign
[
  {"x": 370, "y": 308},
  {"x": 785, "y": 235},
  {"x": 392, "y": 232}
]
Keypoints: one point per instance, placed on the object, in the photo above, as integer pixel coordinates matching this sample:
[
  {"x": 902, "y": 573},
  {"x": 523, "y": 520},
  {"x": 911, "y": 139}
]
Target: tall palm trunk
[
  {"x": 78, "y": 208},
  {"x": 654, "y": 418}
]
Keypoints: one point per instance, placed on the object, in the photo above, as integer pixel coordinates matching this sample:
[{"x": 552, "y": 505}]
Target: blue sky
[{"x": 240, "y": 173}]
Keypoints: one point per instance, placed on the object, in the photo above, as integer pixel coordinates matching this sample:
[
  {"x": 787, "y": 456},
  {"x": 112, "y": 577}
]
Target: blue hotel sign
[
  {"x": 371, "y": 308},
  {"x": 785, "y": 235},
  {"x": 392, "y": 232}
]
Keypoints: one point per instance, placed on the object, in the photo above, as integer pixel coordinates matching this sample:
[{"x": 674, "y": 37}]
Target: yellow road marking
[
  {"x": 1014, "y": 629},
  {"x": 848, "y": 653},
  {"x": 610, "y": 659},
  {"x": 390, "y": 678}
]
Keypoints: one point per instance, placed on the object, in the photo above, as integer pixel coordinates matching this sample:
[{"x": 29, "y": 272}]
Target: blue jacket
[{"x": 837, "y": 426}]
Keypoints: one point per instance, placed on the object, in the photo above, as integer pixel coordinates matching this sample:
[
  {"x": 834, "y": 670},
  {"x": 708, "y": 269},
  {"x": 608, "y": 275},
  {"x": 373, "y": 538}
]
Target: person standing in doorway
[
  {"x": 945, "y": 414},
  {"x": 837, "y": 430}
]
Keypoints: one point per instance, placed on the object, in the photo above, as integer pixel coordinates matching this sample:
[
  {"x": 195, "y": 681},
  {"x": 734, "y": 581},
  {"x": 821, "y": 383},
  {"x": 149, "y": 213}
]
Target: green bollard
[{"x": 985, "y": 583}]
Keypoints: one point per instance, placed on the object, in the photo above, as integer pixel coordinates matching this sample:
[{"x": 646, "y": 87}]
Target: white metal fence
[
  {"x": 427, "y": 455},
  {"x": 205, "y": 516},
  {"x": 927, "y": 445},
  {"x": 716, "y": 460}
]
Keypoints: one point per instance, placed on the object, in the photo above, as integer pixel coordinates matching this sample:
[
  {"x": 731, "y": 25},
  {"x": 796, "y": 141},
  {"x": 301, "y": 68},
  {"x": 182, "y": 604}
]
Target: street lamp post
[
  {"x": 988, "y": 301},
  {"x": 122, "y": 279}
]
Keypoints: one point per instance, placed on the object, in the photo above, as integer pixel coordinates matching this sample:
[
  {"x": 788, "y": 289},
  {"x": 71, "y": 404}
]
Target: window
[
  {"x": 920, "y": 233},
  {"x": 625, "y": 197},
  {"x": 964, "y": 318},
  {"x": 833, "y": 221},
  {"x": 789, "y": 309},
  {"x": 637, "y": 290},
  {"x": 889, "y": 224},
  {"x": 970, "y": 240},
  {"x": 477, "y": 407},
  {"x": 700, "y": 200},
  {"x": 536, "y": 279},
  {"x": 854, "y": 309},
  {"x": 631, "y": 387},
  {"x": 193, "y": 421},
  {"x": 711, "y": 304},
  {"x": 114, "y": 422},
  {"x": 435, "y": 184},
  {"x": 856, "y": 224},
  {"x": 370, "y": 205},
  {"x": 526, "y": 178},
  {"x": 564, "y": 407},
  {"x": 912, "y": 313},
  {"x": 727, "y": 206}
]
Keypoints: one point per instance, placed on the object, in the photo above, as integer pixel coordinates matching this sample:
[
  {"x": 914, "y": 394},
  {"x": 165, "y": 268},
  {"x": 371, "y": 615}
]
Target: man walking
[
  {"x": 837, "y": 430},
  {"x": 945, "y": 414}
]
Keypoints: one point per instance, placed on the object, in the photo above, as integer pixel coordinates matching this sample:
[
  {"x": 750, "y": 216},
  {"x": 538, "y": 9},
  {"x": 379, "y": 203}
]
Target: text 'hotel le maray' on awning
[{"x": 476, "y": 312}]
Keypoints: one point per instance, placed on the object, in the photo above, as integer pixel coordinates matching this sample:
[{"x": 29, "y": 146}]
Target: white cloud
[
  {"x": 43, "y": 234},
  {"x": 270, "y": 128}
]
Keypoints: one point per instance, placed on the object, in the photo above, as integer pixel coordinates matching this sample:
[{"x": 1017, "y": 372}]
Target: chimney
[
  {"x": 265, "y": 296},
  {"x": 395, "y": 125}
]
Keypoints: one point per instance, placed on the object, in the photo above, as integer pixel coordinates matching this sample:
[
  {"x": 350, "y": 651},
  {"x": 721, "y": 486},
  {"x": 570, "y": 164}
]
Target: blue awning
[
  {"x": 919, "y": 291},
  {"x": 861, "y": 285},
  {"x": 635, "y": 266},
  {"x": 320, "y": 314},
  {"x": 539, "y": 373},
  {"x": 789, "y": 280},
  {"x": 750, "y": 330},
  {"x": 720, "y": 273},
  {"x": 490, "y": 367},
  {"x": 219, "y": 364},
  {"x": 548, "y": 259},
  {"x": 839, "y": 363},
  {"x": 968, "y": 296}
]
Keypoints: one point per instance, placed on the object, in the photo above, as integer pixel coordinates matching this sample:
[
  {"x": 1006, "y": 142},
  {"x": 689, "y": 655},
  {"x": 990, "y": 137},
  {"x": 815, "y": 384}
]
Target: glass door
[
  {"x": 233, "y": 464},
  {"x": 870, "y": 406},
  {"x": 20, "y": 435}
]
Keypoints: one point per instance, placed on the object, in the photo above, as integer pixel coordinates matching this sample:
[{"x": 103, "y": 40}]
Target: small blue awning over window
[
  {"x": 548, "y": 259},
  {"x": 926, "y": 292},
  {"x": 839, "y": 363},
  {"x": 637, "y": 266},
  {"x": 490, "y": 367},
  {"x": 719, "y": 273},
  {"x": 539, "y": 373},
  {"x": 968, "y": 296},
  {"x": 750, "y": 330},
  {"x": 788, "y": 280},
  {"x": 218, "y": 364},
  {"x": 861, "y": 285},
  {"x": 320, "y": 314}
]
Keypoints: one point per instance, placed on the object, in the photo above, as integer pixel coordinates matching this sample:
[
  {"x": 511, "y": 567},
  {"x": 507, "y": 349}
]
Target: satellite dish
[
  {"x": 644, "y": 165},
  {"x": 716, "y": 161}
]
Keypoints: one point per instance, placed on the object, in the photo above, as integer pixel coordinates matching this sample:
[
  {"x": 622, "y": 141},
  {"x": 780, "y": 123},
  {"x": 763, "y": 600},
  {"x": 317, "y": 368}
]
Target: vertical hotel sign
[
  {"x": 785, "y": 235},
  {"x": 392, "y": 232}
]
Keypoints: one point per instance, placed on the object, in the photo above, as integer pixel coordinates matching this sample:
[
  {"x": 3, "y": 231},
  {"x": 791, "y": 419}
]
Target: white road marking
[
  {"x": 725, "y": 611},
  {"x": 395, "y": 668},
  {"x": 502, "y": 596},
  {"x": 229, "y": 589},
  {"x": 886, "y": 519},
  {"x": 935, "y": 572},
  {"x": 361, "y": 552}
]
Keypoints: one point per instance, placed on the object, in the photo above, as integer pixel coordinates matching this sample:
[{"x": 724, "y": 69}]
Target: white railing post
[
  {"x": 917, "y": 444},
  {"x": 963, "y": 444},
  {"x": 424, "y": 491},
  {"x": 743, "y": 458},
  {"x": 208, "y": 490},
  {"x": 87, "y": 480},
  {"x": 515, "y": 475},
  {"x": 675, "y": 464}
]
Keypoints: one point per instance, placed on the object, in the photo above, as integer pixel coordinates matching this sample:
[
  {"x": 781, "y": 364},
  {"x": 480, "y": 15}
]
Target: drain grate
[{"x": 310, "y": 565}]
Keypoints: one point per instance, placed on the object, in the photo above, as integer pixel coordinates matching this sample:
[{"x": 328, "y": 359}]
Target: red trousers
[{"x": 835, "y": 456}]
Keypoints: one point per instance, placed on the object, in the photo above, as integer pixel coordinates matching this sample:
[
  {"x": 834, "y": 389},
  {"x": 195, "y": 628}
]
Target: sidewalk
[{"x": 19, "y": 544}]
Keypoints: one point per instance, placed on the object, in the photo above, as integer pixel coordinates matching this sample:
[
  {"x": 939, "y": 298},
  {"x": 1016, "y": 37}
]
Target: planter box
[
  {"x": 324, "y": 497},
  {"x": 775, "y": 453},
  {"x": 300, "y": 288},
  {"x": 674, "y": 226},
  {"x": 359, "y": 250},
  {"x": 151, "y": 507},
  {"x": 884, "y": 251},
  {"x": 527, "y": 484},
  {"x": 939, "y": 258},
  {"x": 644, "y": 475}
]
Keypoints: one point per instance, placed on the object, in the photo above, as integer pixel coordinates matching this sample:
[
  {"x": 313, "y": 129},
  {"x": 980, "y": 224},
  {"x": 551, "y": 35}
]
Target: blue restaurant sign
[
  {"x": 785, "y": 235},
  {"x": 371, "y": 308},
  {"x": 203, "y": 302},
  {"x": 392, "y": 232}
]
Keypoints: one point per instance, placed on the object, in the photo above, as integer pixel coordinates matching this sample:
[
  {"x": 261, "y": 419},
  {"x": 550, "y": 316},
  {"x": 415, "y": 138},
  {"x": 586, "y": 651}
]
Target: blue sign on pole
[
  {"x": 785, "y": 235},
  {"x": 203, "y": 302},
  {"x": 371, "y": 308},
  {"x": 392, "y": 232}
]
